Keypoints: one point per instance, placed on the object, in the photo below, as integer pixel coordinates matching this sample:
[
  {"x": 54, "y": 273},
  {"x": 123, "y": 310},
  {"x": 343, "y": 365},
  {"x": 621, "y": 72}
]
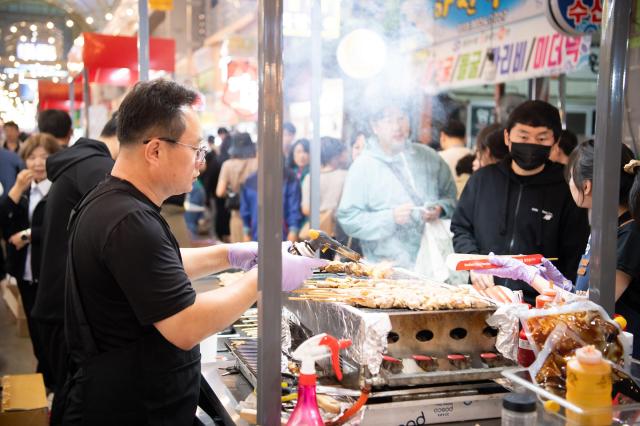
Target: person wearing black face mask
[{"x": 522, "y": 205}]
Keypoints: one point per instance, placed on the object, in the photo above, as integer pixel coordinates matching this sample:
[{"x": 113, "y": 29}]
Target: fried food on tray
[
  {"x": 382, "y": 270},
  {"x": 392, "y": 294}
]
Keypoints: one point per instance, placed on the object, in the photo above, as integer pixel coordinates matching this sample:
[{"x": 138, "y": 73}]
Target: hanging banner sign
[{"x": 520, "y": 51}]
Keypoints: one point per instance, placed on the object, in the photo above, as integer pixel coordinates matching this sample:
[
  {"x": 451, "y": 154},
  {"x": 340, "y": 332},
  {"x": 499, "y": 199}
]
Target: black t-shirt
[
  {"x": 628, "y": 254},
  {"x": 128, "y": 267}
]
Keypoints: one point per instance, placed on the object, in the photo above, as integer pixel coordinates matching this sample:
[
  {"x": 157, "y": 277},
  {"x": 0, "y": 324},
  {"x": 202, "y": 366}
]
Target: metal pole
[
  {"x": 606, "y": 179},
  {"x": 189, "y": 38},
  {"x": 562, "y": 99},
  {"x": 316, "y": 88},
  {"x": 143, "y": 40},
  {"x": 533, "y": 89},
  {"x": 86, "y": 98},
  {"x": 72, "y": 98},
  {"x": 269, "y": 210}
]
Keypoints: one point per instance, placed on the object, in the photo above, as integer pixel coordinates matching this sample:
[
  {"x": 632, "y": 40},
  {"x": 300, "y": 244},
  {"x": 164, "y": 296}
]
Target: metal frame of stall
[
  {"x": 610, "y": 108},
  {"x": 609, "y": 116}
]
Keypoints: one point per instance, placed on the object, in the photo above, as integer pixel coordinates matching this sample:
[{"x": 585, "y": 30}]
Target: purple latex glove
[
  {"x": 296, "y": 269},
  {"x": 243, "y": 255},
  {"x": 549, "y": 272},
  {"x": 510, "y": 268}
]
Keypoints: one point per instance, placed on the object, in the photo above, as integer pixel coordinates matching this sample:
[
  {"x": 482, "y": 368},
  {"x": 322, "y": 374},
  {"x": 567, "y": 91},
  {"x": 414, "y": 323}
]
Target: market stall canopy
[
  {"x": 114, "y": 59},
  {"x": 56, "y": 95}
]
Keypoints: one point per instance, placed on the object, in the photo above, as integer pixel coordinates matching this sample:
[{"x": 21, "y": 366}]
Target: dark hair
[
  {"x": 153, "y": 109},
  {"x": 242, "y": 146},
  {"x": 11, "y": 124},
  {"x": 494, "y": 142},
  {"x": 484, "y": 132},
  {"x": 580, "y": 167},
  {"x": 454, "y": 129},
  {"x": 465, "y": 165},
  {"x": 536, "y": 114},
  {"x": 330, "y": 148},
  {"x": 223, "y": 131},
  {"x": 568, "y": 142},
  {"x": 44, "y": 140},
  {"x": 289, "y": 127},
  {"x": 55, "y": 122},
  {"x": 110, "y": 129},
  {"x": 305, "y": 145}
]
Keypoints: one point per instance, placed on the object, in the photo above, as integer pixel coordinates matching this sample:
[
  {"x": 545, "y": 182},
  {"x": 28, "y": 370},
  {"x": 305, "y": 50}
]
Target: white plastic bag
[{"x": 435, "y": 246}]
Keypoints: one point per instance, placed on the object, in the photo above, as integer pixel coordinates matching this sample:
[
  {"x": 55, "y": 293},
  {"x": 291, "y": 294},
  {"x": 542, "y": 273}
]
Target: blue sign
[
  {"x": 458, "y": 12},
  {"x": 575, "y": 17}
]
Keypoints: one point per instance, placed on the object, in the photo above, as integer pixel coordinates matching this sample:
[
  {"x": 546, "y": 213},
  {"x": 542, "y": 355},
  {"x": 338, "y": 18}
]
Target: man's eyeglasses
[{"x": 201, "y": 151}]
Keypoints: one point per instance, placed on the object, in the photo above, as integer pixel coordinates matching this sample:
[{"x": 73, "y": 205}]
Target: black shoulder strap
[
  {"x": 80, "y": 341},
  {"x": 417, "y": 199}
]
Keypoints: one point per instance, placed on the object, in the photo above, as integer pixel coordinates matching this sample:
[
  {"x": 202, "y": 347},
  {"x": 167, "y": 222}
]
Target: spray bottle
[{"x": 316, "y": 348}]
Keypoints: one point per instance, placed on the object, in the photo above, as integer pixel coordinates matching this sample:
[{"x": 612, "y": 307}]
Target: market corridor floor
[{"x": 16, "y": 353}]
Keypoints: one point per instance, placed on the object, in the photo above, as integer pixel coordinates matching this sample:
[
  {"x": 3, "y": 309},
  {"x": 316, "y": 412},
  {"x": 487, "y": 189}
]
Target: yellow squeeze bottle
[{"x": 589, "y": 387}]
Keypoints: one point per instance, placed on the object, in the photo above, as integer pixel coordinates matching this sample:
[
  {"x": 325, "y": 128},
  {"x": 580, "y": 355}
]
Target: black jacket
[
  {"x": 73, "y": 171},
  {"x": 15, "y": 218},
  {"x": 504, "y": 213}
]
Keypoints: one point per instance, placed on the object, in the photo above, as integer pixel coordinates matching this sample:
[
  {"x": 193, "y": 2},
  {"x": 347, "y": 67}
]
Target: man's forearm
[
  {"x": 203, "y": 261},
  {"x": 212, "y": 312}
]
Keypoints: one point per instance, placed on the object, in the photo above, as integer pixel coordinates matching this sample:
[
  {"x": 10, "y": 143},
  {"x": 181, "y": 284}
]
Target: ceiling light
[
  {"x": 23, "y": 24},
  {"x": 50, "y": 25},
  {"x": 16, "y": 64},
  {"x": 33, "y": 27},
  {"x": 51, "y": 40},
  {"x": 58, "y": 66},
  {"x": 13, "y": 29},
  {"x": 108, "y": 16},
  {"x": 23, "y": 38},
  {"x": 12, "y": 58},
  {"x": 89, "y": 20},
  {"x": 69, "y": 23},
  {"x": 55, "y": 79}
]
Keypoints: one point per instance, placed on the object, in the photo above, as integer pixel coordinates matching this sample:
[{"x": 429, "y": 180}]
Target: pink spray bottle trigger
[{"x": 334, "y": 346}]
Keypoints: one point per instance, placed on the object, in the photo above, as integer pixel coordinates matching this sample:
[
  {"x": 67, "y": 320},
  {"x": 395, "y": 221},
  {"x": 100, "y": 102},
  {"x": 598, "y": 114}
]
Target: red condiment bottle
[{"x": 526, "y": 356}]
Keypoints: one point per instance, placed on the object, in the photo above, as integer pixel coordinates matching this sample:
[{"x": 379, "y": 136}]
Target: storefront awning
[
  {"x": 56, "y": 95},
  {"x": 114, "y": 59}
]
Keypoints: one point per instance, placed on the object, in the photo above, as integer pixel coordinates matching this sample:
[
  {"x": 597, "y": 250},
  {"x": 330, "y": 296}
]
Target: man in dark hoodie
[
  {"x": 73, "y": 171},
  {"x": 522, "y": 205}
]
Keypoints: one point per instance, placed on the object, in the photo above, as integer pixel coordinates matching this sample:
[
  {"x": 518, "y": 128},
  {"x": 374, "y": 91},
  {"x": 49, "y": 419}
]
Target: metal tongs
[{"x": 320, "y": 240}]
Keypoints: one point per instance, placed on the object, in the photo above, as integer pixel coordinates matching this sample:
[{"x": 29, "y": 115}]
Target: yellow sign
[{"x": 161, "y": 4}]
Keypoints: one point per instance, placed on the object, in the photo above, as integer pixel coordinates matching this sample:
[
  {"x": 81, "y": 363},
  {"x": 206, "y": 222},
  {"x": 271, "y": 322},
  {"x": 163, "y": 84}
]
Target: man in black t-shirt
[{"x": 133, "y": 321}]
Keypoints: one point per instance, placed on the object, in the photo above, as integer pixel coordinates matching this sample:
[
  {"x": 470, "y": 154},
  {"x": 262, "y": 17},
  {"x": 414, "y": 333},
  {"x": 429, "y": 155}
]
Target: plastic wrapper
[
  {"x": 586, "y": 319},
  {"x": 506, "y": 320},
  {"x": 367, "y": 330}
]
